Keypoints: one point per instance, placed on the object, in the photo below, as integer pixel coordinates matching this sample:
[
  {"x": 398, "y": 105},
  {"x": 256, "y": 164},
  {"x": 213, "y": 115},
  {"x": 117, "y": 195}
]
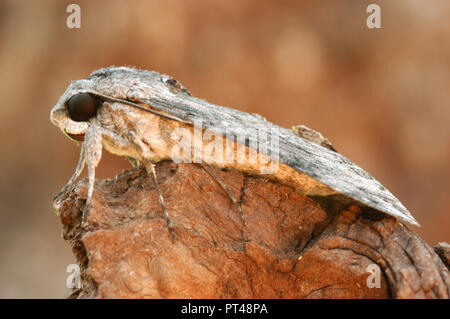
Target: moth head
[
  {"x": 80, "y": 103},
  {"x": 73, "y": 113}
]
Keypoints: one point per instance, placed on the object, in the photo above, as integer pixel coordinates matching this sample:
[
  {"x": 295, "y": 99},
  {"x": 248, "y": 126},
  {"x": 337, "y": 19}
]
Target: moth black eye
[{"x": 82, "y": 107}]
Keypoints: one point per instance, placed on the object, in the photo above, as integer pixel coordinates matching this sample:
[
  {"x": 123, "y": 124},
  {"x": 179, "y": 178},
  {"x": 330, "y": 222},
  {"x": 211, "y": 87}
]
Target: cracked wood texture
[{"x": 287, "y": 245}]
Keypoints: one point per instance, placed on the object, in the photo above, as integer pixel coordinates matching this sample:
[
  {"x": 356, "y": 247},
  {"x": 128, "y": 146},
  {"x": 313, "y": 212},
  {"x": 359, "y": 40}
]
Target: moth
[{"x": 140, "y": 114}]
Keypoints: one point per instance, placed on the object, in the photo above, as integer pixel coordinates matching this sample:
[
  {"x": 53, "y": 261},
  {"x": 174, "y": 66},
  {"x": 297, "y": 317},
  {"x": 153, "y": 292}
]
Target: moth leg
[
  {"x": 225, "y": 188},
  {"x": 76, "y": 174},
  {"x": 150, "y": 167},
  {"x": 93, "y": 154},
  {"x": 312, "y": 136}
]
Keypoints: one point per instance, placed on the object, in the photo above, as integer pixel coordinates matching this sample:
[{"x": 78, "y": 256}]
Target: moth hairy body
[{"x": 137, "y": 112}]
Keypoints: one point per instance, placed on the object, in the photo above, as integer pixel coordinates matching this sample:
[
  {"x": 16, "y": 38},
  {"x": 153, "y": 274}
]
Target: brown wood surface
[{"x": 287, "y": 246}]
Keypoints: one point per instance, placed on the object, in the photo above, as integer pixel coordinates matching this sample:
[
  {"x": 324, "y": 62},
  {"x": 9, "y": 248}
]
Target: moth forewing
[{"x": 325, "y": 166}]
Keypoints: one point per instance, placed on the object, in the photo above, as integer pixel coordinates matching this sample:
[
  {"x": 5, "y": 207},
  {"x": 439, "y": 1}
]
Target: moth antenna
[
  {"x": 225, "y": 188},
  {"x": 150, "y": 166},
  {"x": 140, "y": 107}
]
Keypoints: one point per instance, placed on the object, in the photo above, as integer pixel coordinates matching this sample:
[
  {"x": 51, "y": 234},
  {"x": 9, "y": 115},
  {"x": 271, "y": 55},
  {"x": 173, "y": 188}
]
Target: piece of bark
[
  {"x": 443, "y": 251},
  {"x": 287, "y": 246}
]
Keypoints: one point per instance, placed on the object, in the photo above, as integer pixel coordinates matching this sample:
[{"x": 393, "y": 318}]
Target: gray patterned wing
[{"x": 322, "y": 164}]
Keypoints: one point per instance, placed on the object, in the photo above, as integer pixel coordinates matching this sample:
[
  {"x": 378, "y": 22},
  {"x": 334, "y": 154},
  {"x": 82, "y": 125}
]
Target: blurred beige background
[{"x": 380, "y": 95}]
